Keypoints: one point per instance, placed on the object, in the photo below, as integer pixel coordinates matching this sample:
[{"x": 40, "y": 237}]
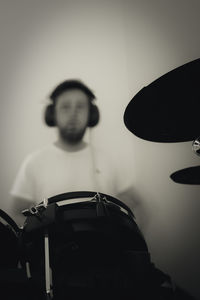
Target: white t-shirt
[{"x": 52, "y": 171}]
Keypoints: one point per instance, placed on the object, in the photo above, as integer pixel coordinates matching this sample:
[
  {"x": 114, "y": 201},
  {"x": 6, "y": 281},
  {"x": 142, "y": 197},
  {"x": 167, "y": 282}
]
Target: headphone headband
[{"x": 71, "y": 85}]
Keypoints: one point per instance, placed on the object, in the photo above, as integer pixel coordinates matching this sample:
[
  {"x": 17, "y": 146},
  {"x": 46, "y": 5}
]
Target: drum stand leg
[{"x": 48, "y": 277}]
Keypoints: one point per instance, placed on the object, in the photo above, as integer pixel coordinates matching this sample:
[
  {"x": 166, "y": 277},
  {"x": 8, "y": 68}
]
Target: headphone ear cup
[
  {"x": 49, "y": 115},
  {"x": 94, "y": 115}
]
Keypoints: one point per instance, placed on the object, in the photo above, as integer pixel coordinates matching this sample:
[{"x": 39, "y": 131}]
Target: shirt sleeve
[
  {"x": 124, "y": 177},
  {"x": 122, "y": 173},
  {"x": 23, "y": 186}
]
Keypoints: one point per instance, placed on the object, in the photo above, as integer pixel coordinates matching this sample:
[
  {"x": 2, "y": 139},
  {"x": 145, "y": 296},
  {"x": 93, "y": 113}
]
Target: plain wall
[{"x": 116, "y": 47}]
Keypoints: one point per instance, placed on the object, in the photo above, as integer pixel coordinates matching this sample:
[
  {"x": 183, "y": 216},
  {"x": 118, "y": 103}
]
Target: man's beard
[{"x": 72, "y": 137}]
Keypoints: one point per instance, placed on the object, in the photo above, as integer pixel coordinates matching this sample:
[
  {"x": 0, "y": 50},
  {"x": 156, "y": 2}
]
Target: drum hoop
[
  {"x": 10, "y": 221},
  {"x": 67, "y": 197},
  {"x": 85, "y": 200}
]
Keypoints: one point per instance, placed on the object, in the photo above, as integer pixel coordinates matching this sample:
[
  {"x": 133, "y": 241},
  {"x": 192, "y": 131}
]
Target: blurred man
[{"x": 69, "y": 164}]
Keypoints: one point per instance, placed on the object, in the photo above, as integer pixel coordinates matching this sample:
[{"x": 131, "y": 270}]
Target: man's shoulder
[{"x": 39, "y": 154}]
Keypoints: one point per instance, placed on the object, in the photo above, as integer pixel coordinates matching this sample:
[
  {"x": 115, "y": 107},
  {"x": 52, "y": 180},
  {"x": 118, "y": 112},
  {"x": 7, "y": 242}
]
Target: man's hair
[{"x": 71, "y": 85}]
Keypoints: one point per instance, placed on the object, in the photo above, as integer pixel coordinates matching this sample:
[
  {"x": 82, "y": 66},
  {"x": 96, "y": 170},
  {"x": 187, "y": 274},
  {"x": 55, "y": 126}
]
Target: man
[{"x": 69, "y": 164}]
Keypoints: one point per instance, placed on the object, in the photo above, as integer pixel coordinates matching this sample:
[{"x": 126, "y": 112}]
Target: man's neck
[{"x": 70, "y": 147}]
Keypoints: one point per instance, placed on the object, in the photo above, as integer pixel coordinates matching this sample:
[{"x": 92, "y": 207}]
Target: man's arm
[
  {"x": 129, "y": 197},
  {"x": 135, "y": 203}
]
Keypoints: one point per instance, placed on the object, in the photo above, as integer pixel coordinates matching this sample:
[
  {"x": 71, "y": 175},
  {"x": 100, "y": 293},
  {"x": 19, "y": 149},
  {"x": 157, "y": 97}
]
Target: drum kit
[
  {"x": 89, "y": 241},
  {"x": 79, "y": 241}
]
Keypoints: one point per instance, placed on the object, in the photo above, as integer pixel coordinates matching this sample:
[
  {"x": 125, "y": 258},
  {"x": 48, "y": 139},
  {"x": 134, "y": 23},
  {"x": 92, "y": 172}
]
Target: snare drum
[{"x": 84, "y": 240}]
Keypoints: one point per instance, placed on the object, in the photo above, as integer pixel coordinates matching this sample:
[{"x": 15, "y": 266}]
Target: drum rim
[
  {"x": 10, "y": 221},
  {"x": 87, "y": 194}
]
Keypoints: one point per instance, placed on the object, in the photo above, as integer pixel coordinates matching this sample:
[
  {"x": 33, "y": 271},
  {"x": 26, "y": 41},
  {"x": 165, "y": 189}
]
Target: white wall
[{"x": 116, "y": 47}]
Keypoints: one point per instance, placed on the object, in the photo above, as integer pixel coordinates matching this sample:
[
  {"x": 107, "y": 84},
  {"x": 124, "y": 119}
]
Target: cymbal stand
[{"x": 48, "y": 274}]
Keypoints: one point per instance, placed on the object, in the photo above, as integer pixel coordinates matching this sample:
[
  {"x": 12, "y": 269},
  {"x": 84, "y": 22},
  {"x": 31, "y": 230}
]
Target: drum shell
[{"x": 82, "y": 237}]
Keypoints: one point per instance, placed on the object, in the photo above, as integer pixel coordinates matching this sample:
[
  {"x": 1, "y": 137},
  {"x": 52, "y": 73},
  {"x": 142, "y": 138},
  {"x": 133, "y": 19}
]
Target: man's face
[{"x": 71, "y": 114}]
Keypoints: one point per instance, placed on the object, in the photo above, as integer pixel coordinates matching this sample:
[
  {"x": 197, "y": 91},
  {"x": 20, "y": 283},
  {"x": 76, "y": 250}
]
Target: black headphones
[{"x": 49, "y": 114}]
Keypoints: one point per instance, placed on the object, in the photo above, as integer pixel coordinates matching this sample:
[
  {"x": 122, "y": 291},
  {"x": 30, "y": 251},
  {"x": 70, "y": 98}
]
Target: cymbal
[
  {"x": 187, "y": 176},
  {"x": 167, "y": 110}
]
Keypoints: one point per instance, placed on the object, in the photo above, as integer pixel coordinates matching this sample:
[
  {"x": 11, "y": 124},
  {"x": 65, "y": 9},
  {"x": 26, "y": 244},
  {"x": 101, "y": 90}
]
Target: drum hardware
[
  {"x": 48, "y": 275},
  {"x": 36, "y": 210},
  {"x": 190, "y": 175},
  {"x": 196, "y": 146},
  {"x": 89, "y": 197},
  {"x": 39, "y": 217},
  {"x": 101, "y": 207},
  {"x": 28, "y": 272},
  {"x": 47, "y": 268}
]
